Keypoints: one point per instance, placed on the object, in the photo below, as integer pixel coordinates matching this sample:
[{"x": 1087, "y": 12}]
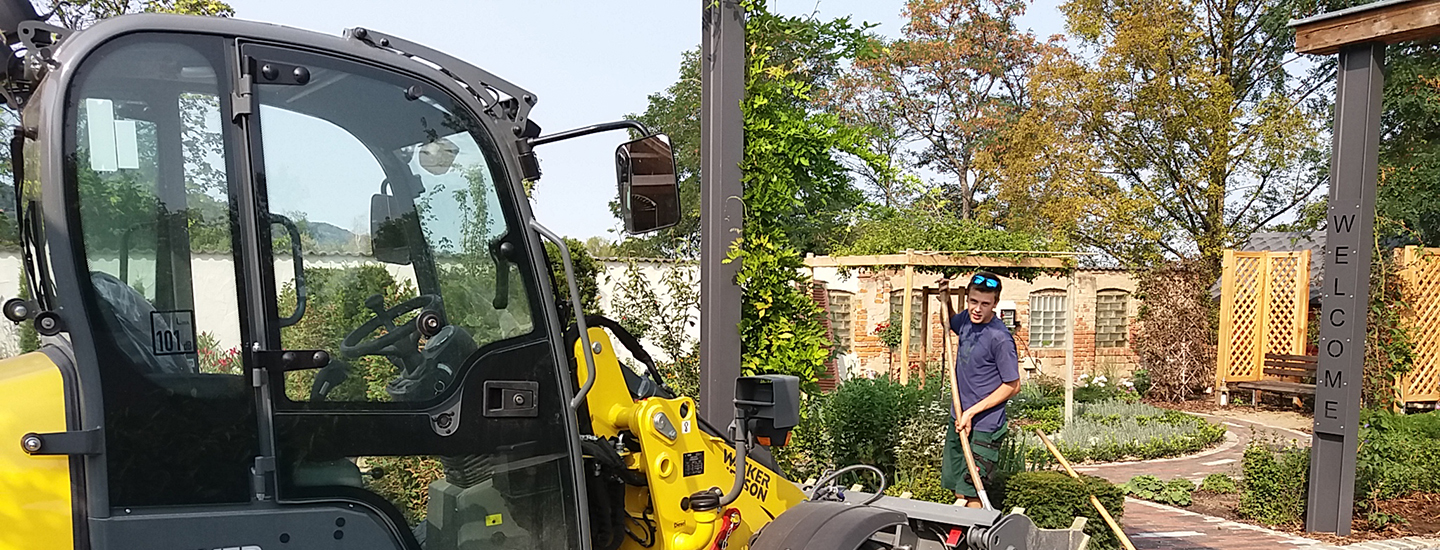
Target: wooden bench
[{"x": 1288, "y": 366}]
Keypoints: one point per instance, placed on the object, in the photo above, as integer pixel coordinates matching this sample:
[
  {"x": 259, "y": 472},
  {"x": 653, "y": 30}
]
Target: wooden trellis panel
[
  {"x": 1420, "y": 275},
  {"x": 1264, "y": 308}
]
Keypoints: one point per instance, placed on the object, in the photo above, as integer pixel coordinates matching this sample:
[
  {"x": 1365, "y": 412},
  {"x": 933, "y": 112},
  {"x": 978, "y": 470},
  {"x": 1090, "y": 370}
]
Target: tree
[
  {"x": 892, "y": 231},
  {"x": 953, "y": 82},
  {"x": 78, "y": 14},
  {"x": 795, "y": 188},
  {"x": 1189, "y": 111},
  {"x": 802, "y": 51}
]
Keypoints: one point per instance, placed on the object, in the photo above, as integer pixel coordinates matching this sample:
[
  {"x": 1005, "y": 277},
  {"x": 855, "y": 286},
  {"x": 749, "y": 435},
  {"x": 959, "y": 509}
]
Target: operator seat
[{"x": 128, "y": 317}]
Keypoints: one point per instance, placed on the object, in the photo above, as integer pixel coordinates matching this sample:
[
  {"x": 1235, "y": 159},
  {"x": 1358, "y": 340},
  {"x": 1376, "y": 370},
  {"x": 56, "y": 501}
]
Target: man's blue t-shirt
[{"x": 984, "y": 359}]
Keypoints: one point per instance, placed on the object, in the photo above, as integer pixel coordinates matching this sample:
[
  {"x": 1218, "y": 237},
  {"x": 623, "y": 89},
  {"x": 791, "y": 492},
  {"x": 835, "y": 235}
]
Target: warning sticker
[
  {"x": 172, "y": 332},
  {"x": 694, "y": 463}
]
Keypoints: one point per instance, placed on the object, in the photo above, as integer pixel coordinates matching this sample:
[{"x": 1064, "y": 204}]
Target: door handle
[{"x": 511, "y": 399}]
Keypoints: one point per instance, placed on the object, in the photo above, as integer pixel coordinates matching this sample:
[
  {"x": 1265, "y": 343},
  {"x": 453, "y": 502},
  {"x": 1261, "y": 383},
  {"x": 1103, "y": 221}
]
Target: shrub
[
  {"x": 1141, "y": 379},
  {"x": 1399, "y": 455},
  {"x": 1176, "y": 340},
  {"x": 1218, "y": 483},
  {"x": 1275, "y": 484},
  {"x": 1176, "y": 492},
  {"x": 864, "y": 418},
  {"x": 809, "y": 453},
  {"x": 1113, "y": 430},
  {"x": 1054, "y": 500}
]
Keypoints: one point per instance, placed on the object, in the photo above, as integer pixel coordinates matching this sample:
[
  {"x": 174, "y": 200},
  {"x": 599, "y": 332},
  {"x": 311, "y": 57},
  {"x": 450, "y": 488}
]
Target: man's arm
[
  {"x": 1000, "y": 395},
  {"x": 1007, "y": 360}
]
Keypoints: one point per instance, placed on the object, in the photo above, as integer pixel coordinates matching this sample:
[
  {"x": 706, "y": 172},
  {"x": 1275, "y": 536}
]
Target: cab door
[{"x": 420, "y": 380}]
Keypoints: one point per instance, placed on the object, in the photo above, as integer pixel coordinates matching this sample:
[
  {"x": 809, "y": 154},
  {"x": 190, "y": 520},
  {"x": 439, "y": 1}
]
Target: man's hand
[{"x": 962, "y": 424}]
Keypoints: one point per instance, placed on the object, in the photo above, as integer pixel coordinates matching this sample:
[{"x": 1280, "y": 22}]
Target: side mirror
[
  {"x": 770, "y": 403},
  {"x": 649, "y": 193},
  {"x": 389, "y": 218}
]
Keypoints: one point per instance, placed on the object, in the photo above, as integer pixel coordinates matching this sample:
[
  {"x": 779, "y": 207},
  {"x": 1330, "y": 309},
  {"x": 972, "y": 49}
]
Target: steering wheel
[{"x": 355, "y": 344}]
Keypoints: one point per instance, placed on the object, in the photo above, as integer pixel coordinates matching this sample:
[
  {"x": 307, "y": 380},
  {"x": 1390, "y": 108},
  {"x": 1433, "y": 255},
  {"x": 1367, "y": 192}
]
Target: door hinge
[
  {"x": 240, "y": 101},
  {"x": 260, "y": 476},
  {"x": 82, "y": 442}
]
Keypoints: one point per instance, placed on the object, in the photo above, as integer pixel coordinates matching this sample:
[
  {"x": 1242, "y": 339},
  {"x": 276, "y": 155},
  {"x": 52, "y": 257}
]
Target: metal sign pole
[
  {"x": 1349, "y": 241},
  {"x": 722, "y": 142}
]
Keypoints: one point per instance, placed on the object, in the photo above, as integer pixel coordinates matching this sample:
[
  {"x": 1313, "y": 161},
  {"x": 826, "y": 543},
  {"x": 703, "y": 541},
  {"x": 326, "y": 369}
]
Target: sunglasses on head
[{"x": 988, "y": 282}]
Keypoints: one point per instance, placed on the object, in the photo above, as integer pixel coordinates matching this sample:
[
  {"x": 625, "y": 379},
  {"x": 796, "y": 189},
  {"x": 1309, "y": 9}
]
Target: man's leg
[
  {"x": 986, "y": 449},
  {"x": 953, "y": 473}
]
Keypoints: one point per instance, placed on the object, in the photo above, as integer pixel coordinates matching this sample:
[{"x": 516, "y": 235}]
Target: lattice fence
[
  {"x": 1420, "y": 273},
  {"x": 1264, "y": 307}
]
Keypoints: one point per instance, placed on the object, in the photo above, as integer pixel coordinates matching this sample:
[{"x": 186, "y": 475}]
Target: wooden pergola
[{"x": 911, "y": 259}]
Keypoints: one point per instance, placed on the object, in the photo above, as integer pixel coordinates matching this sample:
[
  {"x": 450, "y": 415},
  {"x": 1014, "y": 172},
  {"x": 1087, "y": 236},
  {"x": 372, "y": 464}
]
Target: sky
[{"x": 585, "y": 61}]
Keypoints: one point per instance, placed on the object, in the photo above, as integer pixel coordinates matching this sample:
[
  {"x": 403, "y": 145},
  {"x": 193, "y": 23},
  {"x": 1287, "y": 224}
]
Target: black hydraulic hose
[
  {"x": 742, "y": 447},
  {"x": 884, "y": 483}
]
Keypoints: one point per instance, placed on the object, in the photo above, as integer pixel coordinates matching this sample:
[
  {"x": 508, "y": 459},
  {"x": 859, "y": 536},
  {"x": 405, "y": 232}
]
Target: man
[{"x": 986, "y": 375}]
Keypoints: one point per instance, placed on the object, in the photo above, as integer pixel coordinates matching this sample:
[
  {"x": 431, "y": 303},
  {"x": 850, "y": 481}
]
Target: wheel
[{"x": 835, "y": 526}]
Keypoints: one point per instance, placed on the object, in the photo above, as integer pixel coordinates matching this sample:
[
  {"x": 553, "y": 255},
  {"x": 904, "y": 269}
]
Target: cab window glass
[
  {"x": 391, "y": 190},
  {"x": 146, "y": 160}
]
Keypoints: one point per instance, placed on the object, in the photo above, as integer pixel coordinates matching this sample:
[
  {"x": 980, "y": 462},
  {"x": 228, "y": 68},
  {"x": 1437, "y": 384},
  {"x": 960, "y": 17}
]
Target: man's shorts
[{"x": 954, "y": 475}]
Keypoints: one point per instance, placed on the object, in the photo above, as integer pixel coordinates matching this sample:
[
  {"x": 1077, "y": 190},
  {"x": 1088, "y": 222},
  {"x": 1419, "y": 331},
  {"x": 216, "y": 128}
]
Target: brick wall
[{"x": 872, "y": 306}]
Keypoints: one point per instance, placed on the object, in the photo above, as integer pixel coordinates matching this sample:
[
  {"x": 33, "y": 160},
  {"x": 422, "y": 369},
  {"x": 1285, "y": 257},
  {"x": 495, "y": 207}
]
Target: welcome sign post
[{"x": 1359, "y": 36}]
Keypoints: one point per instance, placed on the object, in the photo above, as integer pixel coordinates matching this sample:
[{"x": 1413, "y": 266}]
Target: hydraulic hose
[
  {"x": 742, "y": 447},
  {"x": 884, "y": 483}
]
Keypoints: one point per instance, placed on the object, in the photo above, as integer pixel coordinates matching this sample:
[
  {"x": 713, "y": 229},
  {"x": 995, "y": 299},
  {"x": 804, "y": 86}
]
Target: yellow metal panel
[
  {"x": 664, "y": 461},
  {"x": 35, "y": 507}
]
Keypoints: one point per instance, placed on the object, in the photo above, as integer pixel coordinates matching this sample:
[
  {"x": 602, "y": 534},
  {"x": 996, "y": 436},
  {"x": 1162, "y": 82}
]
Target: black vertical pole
[
  {"x": 1349, "y": 241},
  {"x": 722, "y": 141}
]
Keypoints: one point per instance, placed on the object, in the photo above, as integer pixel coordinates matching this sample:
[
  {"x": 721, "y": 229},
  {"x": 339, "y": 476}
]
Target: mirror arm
[{"x": 592, "y": 129}]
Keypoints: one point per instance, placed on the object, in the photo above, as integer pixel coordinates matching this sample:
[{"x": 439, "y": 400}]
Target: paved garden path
[{"x": 1154, "y": 526}]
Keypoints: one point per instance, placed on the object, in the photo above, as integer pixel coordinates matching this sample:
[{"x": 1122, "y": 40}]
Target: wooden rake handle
[
  {"x": 974, "y": 472},
  {"x": 1124, "y": 540}
]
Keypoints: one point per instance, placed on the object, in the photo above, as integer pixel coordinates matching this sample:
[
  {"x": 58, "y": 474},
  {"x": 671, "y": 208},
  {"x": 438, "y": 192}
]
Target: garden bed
[
  {"x": 1111, "y": 431},
  {"x": 1397, "y": 484}
]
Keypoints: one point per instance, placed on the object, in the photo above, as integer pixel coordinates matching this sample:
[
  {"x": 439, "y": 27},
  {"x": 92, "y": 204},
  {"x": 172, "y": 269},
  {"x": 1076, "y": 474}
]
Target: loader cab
[{"x": 299, "y": 271}]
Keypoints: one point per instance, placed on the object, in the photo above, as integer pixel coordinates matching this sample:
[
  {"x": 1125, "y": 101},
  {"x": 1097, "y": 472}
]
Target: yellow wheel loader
[{"x": 291, "y": 294}]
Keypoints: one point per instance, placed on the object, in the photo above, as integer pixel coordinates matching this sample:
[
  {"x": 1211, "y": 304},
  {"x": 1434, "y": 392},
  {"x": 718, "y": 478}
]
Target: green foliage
[
  {"x": 335, "y": 306},
  {"x": 795, "y": 184},
  {"x": 587, "y": 275},
  {"x": 1141, "y": 379},
  {"x": 682, "y": 373},
  {"x": 1389, "y": 348},
  {"x": 780, "y": 330},
  {"x": 809, "y": 453},
  {"x": 213, "y": 359},
  {"x": 78, "y": 14},
  {"x": 892, "y": 231},
  {"x": 1399, "y": 455},
  {"x": 919, "y": 452},
  {"x": 1176, "y": 492},
  {"x": 1275, "y": 485},
  {"x": 891, "y": 333},
  {"x": 864, "y": 418},
  {"x": 1054, "y": 500},
  {"x": 1218, "y": 483},
  {"x": 406, "y": 482},
  {"x": 1409, "y": 157},
  {"x": 1114, "y": 430}
]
